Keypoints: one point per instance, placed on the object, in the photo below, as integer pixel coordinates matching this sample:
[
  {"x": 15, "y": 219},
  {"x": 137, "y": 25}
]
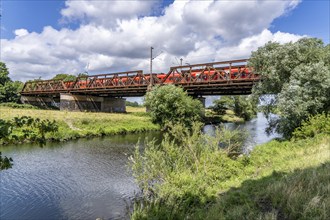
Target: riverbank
[
  {"x": 278, "y": 180},
  {"x": 73, "y": 125}
]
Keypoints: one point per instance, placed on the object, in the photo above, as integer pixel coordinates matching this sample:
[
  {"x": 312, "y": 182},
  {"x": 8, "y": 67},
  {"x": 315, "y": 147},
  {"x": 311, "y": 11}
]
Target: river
[{"x": 82, "y": 179}]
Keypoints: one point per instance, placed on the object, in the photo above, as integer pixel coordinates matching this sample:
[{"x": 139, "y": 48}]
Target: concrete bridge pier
[
  {"x": 70, "y": 102},
  {"x": 41, "y": 101}
]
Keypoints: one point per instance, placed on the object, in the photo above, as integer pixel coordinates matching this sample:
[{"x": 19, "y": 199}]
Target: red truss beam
[{"x": 191, "y": 77}]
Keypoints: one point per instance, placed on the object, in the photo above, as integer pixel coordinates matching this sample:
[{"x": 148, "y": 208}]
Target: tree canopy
[
  {"x": 64, "y": 77},
  {"x": 9, "y": 90},
  {"x": 170, "y": 104},
  {"x": 298, "y": 76}
]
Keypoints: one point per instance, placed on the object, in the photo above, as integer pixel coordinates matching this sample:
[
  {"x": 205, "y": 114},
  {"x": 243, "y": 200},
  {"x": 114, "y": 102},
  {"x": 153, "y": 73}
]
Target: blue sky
[
  {"x": 46, "y": 37},
  {"x": 311, "y": 17}
]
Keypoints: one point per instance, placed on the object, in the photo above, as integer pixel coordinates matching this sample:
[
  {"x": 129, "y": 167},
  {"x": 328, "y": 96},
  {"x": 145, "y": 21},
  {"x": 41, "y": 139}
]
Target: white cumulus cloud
[{"x": 21, "y": 32}]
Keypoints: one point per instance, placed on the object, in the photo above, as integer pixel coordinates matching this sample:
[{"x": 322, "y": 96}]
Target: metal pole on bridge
[{"x": 151, "y": 78}]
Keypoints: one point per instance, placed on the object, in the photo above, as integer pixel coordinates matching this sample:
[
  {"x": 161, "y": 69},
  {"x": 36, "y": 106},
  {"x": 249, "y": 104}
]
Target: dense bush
[
  {"x": 170, "y": 104},
  {"x": 314, "y": 125}
]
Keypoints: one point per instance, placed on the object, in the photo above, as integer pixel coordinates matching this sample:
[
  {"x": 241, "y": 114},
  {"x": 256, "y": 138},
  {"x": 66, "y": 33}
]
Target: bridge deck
[{"x": 218, "y": 78}]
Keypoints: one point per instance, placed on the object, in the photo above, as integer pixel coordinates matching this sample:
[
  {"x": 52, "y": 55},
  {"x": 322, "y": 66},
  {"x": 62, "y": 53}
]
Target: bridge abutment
[
  {"x": 70, "y": 102},
  {"x": 45, "y": 102}
]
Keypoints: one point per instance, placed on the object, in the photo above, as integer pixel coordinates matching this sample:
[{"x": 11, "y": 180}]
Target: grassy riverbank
[
  {"x": 278, "y": 180},
  {"x": 72, "y": 125},
  {"x": 288, "y": 180}
]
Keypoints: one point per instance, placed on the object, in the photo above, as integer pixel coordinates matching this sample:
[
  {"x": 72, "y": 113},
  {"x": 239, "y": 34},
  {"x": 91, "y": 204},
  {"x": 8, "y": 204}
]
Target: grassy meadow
[{"x": 74, "y": 125}]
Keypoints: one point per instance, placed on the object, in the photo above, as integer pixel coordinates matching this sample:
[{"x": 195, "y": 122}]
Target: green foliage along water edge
[
  {"x": 22, "y": 129},
  {"x": 171, "y": 104},
  {"x": 9, "y": 90},
  {"x": 243, "y": 106},
  {"x": 25, "y": 128},
  {"x": 298, "y": 76},
  {"x": 190, "y": 176}
]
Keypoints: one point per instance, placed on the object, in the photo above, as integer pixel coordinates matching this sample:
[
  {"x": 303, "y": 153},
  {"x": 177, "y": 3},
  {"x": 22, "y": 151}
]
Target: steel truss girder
[{"x": 228, "y": 76}]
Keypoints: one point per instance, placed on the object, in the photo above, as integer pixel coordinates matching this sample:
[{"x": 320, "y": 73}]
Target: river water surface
[{"x": 83, "y": 179}]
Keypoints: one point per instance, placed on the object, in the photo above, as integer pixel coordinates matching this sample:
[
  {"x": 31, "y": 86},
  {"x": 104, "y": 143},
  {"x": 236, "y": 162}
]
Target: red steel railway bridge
[{"x": 105, "y": 92}]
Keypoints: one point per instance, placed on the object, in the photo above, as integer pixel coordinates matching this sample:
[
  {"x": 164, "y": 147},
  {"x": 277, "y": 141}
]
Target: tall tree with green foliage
[
  {"x": 170, "y": 104},
  {"x": 9, "y": 90},
  {"x": 3, "y": 74},
  {"x": 298, "y": 76}
]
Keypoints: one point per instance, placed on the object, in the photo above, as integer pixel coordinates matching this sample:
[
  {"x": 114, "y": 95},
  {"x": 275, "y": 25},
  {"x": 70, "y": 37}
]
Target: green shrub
[
  {"x": 170, "y": 104},
  {"x": 314, "y": 125}
]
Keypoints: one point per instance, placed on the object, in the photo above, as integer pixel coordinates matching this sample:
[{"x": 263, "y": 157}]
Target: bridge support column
[
  {"x": 45, "y": 102},
  {"x": 70, "y": 102}
]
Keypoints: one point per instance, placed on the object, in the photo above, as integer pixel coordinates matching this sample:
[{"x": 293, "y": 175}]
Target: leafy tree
[
  {"x": 243, "y": 106},
  {"x": 3, "y": 74},
  {"x": 9, "y": 90},
  {"x": 170, "y": 104},
  {"x": 299, "y": 76},
  {"x": 64, "y": 77},
  {"x": 221, "y": 105},
  {"x": 132, "y": 104}
]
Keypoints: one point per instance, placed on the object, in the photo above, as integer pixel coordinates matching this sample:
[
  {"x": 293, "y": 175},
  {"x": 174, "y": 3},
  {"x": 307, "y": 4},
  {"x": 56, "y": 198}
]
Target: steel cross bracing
[{"x": 218, "y": 78}]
